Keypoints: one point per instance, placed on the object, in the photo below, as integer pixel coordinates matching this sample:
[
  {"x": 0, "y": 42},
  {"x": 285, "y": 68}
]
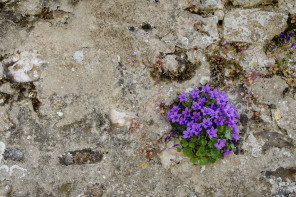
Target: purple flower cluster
[{"x": 202, "y": 111}]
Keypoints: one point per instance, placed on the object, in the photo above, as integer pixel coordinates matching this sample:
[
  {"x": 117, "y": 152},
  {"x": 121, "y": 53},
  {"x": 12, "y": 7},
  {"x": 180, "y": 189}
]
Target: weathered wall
[{"x": 72, "y": 90}]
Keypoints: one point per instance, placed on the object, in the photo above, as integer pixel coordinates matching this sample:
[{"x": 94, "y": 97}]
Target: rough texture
[
  {"x": 91, "y": 122},
  {"x": 251, "y": 3},
  {"x": 252, "y": 25},
  {"x": 287, "y": 120},
  {"x": 270, "y": 90}
]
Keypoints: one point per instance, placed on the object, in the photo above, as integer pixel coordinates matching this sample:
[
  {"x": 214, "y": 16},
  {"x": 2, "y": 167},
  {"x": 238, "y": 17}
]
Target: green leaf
[
  {"x": 212, "y": 160},
  {"x": 184, "y": 143},
  {"x": 212, "y": 142},
  {"x": 194, "y": 159},
  {"x": 288, "y": 55},
  {"x": 191, "y": 144},
  {"x": 179, "y": 149},
  {"x": 228, "y": 129},
  {"x": 187, "y": 150},
  {"x": 232, "y": 146},
  {"x": 227, "y": 133},
  {"x": 202, "y": 151},
  {"x": 215, "y": 153},
  {"x": 220, "y": 128},
  {"x": 228, "y": 136},
  {"x": 203, "y": 161},
  {"x": 193, "y": 139},
  {"x": 203, "y": 142}
]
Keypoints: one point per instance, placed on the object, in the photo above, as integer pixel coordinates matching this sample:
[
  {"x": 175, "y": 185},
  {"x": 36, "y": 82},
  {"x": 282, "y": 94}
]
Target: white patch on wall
[
  {"x": 23, "y": 67},
  {"x": 78, "y": 56},
  {"x": 7, "y": 172}
]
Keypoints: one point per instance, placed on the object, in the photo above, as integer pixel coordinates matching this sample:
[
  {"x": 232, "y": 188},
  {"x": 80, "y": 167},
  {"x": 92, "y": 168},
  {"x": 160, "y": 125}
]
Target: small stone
[
  {"x": 13, "y": 154},
  {"x": 120, "y": 118},
  {"x": 170, "y": 63},
  {"x": 219, "y": 14}
]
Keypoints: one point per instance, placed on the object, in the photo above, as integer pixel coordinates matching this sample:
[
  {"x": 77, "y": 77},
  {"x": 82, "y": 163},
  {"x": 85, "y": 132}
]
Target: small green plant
[
  {"x": 205, "y": 123},
  {"x": 283, "y": 67}
]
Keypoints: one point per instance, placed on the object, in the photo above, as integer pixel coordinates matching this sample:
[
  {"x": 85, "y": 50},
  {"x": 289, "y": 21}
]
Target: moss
[
  {"x": 265, "y": 6},
  {"x": 185, "y": 70},
  {"x": 85, "y": 156},
  {"x": 24, "y": 91},
  {"x": 65, "y": 189},
  {"x": 199, "y": 11},
  {"x": 45, "y": 13}
]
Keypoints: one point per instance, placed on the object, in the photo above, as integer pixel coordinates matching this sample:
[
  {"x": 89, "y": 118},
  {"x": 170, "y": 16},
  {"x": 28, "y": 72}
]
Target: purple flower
[
  {"x": 282, "y": 35},
  {"x": 220, "y": 144},
  {"x": 206, "y": 123},
  {"x": 134, "y": 53},
  {"x": 212, "y": 132},
  {"x": 183, "y": 120},
  {"x": 196, "y": 128},
  {"x": 195, "y": 93},
  {"x": 186, "y": 112},
  {"x": 292, "y": 44},
  {"x": 224, "y": 43},
  {"x": 226, "y": 152},
  {"x": 235, "y": 129},
  {"x": 231, "y": 121},
  {"x": 175, "y": 108},
  {"x": 207, "y": 111},
  {"x": 175, "y": 117},
  {"x": 196, "y": 116},
  {"x": 203, "y": 100},
  {"x": 219, "y": 120},
  {"x": 215, "y": 93},
  {"x": 169, "y": 116},
  {"x": 222, "y": 99},
  {"x": 196, "y": 106},
  {"x": 235, "y": 136},
  {"x": 188, "y": 133},
  {"x": 183, "y": 97},
  {"x": 175, "y": 145},
  {"x": 207, "y": 88},
  {"x": 289, "y": 36}
]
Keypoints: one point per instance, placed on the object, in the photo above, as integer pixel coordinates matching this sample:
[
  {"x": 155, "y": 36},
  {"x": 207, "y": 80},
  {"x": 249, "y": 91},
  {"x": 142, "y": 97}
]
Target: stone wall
[{"x": 83, "y": 110}]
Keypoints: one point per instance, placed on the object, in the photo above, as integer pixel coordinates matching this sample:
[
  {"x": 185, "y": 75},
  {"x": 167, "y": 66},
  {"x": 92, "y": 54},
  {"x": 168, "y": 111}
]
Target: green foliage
[{"x": 202, "y": 150}]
